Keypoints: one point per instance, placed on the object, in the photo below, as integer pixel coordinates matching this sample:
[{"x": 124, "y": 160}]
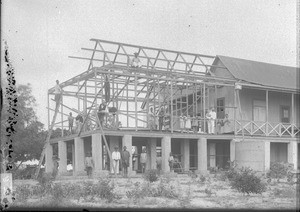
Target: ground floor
[{"x": 198, "y": 153}]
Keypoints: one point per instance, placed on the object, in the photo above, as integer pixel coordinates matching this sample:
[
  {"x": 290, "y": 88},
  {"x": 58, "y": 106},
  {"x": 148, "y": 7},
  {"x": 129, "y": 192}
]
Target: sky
[{"x": 41, "y": 35}]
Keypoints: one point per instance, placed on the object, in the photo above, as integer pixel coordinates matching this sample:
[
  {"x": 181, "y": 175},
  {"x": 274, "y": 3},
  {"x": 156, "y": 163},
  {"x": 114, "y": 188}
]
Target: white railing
[{"x": 254, "y": 128}]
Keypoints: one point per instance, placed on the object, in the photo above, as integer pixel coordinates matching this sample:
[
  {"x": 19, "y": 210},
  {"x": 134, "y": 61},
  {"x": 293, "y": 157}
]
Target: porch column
[
  {"x": 267, "y": 155},
  {"x": 114, "y": 142},
  {"x": 148, "y": 147},
  {"x": 62, "y": 154},
  {"x": 202, "y": 155},
  {"x": 232, "y": 150},
  {"x": 152, "y": 148},
  {"x": 185, "y": 152},
  {"x": 127, "y": 141},
  {"x": 166, "y": 149},
  {"x": 293, "y": 154},
  {"x": 97, "y": 152},
  {"x": 79, "y": 156},
  {"x": 48, "y": 158}
]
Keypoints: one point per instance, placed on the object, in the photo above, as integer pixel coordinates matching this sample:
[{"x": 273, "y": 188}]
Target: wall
[{"x": 250, "y": 153}]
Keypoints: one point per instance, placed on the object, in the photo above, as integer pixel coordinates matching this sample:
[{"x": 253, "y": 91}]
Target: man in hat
[
  {"x": 103, "y": 110},
  {"x": 115, "y": 161},
  {"x": 57, "y": 92},
  {"x": 89, "y": 164},
  {"x": 211, "y": 121},
  {"x": 125, "y": 155},
  {"x": 135, "y": 62}
]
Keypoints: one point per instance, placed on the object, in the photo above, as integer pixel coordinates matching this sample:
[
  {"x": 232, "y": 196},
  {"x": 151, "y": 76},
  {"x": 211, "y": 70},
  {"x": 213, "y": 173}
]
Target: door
[{"x": 285, "y": 114}]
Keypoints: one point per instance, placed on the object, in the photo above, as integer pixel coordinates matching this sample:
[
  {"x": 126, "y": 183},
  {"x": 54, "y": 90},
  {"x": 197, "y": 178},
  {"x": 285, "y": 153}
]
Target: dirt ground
[{"x": 278, "y": 195}]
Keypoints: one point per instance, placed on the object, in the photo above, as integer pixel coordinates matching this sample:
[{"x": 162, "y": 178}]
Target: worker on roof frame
[{"x": 135, "y": 62}]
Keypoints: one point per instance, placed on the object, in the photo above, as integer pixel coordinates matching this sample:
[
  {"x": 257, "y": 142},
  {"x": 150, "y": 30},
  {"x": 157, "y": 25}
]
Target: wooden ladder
[{"x": 47, "y": 143}]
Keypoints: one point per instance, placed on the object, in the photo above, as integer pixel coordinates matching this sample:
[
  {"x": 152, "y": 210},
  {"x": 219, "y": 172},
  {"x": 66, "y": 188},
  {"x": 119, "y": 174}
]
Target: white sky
[{"x": 42, "y": 34}]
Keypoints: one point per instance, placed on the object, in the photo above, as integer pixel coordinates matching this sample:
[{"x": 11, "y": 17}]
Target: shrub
[
  {"x": 104, "y": 190},
  {"x": 23, "y": 192},
  {"x": 245, "y": 181},
  {"x": 151, "y": 175},
  {"x": 208, "y": 192},
  {"x": 58, "y": 192},
  {"x": 279, "y": 170}
]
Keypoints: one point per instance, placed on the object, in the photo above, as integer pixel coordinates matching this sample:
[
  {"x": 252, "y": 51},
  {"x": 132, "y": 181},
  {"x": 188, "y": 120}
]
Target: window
[
  {"x": 285, "y": 114},
  {"x": 221, "y": 108},
  {"x": 259, "y": 110}
]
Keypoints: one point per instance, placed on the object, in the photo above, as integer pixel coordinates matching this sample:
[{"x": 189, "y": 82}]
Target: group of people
[
  {"x": 196, "y": 123},
  {"x": 161, "y": 119}
]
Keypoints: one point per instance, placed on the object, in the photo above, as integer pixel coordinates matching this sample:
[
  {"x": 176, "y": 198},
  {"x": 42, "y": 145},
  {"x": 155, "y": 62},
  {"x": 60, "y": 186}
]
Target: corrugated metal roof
[{"x": 262, "y": 73}]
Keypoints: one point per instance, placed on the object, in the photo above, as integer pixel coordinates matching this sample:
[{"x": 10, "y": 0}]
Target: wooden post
[
  {"x": 293, "y": 114},
  {"x": 62, "y": 117},
  {"x": 204, "y": 103},
  {"x": 267, "y": 112},
  {"x": 135, "y": 101},
  {"x": 127, "y": 106},
  {"x": 234, "y": 114},
  {"x": 48, "y": 111},
  {"x": 171, "y": 109}
]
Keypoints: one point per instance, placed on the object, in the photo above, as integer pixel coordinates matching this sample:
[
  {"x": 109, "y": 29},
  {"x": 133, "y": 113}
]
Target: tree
[{"x": 29, "y": 136}]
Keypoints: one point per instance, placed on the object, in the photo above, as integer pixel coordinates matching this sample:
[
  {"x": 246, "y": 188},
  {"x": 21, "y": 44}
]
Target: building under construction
[{"x": 259, "y": 101}]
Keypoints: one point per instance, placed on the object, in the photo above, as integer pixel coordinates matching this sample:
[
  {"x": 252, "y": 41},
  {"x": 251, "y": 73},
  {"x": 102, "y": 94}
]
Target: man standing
[
  {"x": 89, "y": 164},
  {"x": 79, "y": 121},
  {"x": 143, "y": 160},
  {"x": 125, "y": 155},
  {"x": 57, "y": 92},
  {"x": 161, "y": 116},
  {"x": 136, "y": 63},
  {"x": 102, "y": 112},
  {"x": 71, "y": 120},
  {"x": 115, "y": 161},
  {"x": 211, "y": 116}
]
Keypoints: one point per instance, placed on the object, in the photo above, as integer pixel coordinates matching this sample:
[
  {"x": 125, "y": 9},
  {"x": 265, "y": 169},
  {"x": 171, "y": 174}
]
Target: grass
[{"x": 167, "y": 192}]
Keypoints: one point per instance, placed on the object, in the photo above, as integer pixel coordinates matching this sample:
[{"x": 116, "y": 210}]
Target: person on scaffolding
[
  {"x": 57, "y": 92},
  {"x": 103, "y": 110},
  {"x": 135, "y": 62},
  {"x": 71, "y": 121}
]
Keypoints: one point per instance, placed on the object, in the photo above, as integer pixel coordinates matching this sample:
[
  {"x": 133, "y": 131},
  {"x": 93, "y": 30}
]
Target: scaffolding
[{"x": 180, "y": 82}]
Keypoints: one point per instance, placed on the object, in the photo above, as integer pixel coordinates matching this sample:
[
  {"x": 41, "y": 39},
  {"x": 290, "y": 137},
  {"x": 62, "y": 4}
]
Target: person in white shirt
[
  {"x": 211, "y": 116},
  {"x": 135, "y": 62},
  {"x": 57, "y": 92},
  {"x": 116, "y": 156}
]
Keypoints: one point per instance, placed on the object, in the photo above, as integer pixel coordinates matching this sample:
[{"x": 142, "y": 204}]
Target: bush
[
  {"x": 104, "y": 190},
  {"x": 279, "y": 170},
  {"x": 245, "y": 181},
  {"x": 151, "y": 175},
  {"x": 23, "y": 192}
]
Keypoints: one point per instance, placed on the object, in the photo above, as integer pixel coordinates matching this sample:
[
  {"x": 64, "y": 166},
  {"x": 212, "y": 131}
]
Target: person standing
[
  {"x": 181, "y": 123},
  {"x": 135, "y": 62},
  {"x": 125, "y": 155},
  {"x": 57, "y": 93},
  {"x": 152, "y": 124},
  {"x": 89, "y": 164},
  {"x": 79, "y": 122},
  {"x": 194, "y": 123},
  {"x": 55, "y": 166},
  {"x": 171, "y": 161},
  {"x": 211, "y": 116},
  {"x": 71, "y": 121},
  {"x": 161, "y": 116},
  {"x": 115, "y": 161},
  {"x": 158, "y": 162},
  {"x": 143, "y": 160},
  {"x": 102, "y": 112},
  {"x": 188, "y": 124}
]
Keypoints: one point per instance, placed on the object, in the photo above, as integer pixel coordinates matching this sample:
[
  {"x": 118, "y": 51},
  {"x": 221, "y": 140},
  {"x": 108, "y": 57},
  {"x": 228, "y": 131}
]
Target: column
[
  {"x": 48, "y": 158},
  {"x": 79, "y": 156},
  {"x": 152, "y": 149},
  {"x": 232, "y": 150},
  {"x": 114, "y": 142},
  {"x": 267, "y": 155},
  {"x": 293, "y": 154},
  {"x": 166, "y": 149},
  {"x": 148, "y": 162},
  {"x": 202, "y": 155},
  {"x": 185, "y": 152},
  {"x": 73, "y": 157},
  {"x": 127, "y": 141},
  {"x": 97, "y": 152},
  {"x": 62, "y": 154}
]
